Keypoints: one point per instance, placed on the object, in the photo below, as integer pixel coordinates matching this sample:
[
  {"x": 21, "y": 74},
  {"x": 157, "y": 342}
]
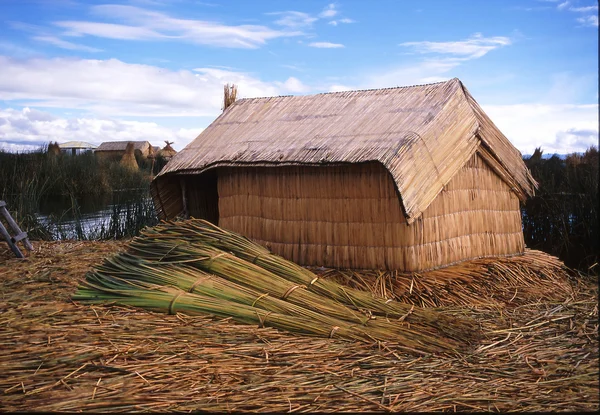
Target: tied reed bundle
[
  {"x": 103, "y": 288},
  {"x": 199, "y": 232},
  {"x": 182, "y": 263},
  {"x": 192, "y": 280}
]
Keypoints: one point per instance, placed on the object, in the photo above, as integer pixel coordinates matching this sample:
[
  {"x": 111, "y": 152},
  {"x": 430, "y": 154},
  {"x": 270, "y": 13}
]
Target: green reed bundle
[
  {"x": 235, "y": 269},
  {"x": 102, "y": 288},
  {"x": 190, "y": 279},
  {"x": 197, "y": 231}
]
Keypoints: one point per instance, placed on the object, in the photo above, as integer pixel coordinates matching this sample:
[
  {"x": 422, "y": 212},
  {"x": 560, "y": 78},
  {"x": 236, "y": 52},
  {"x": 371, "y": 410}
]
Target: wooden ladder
[{"x": 19, "y": 235}]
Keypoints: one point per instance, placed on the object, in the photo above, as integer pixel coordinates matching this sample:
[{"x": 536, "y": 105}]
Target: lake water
[{"x": 90, "y": 217}]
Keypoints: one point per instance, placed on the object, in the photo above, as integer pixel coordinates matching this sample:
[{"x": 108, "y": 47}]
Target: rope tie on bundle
[
  {"x": 198, "y": 282},
  {"x": 172, "y": 303},
  {"x": 259, "y": 298},
  {"x": 291, "y": 290},
  {"x": 333, "y": 330},
  {"x": 212, "y": 258},
  {"x": 262, "y": 319}
]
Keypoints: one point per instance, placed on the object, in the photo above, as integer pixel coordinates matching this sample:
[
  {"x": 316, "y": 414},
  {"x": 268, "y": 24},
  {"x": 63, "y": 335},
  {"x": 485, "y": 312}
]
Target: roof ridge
[{"x": 354, "y": 90}]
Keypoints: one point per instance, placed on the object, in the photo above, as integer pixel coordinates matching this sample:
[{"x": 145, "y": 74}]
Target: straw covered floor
[{"x": 538, "y": 350}]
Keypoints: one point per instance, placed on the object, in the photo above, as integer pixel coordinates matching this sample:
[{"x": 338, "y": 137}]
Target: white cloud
[
  {"x": 141, "y": 24},
  {"x": 325, "y": 45},
  {"x": 555, "y": 128},
  {"x": 328, "y": 11},
  {"x": 115, "y": 88},
  {"x": 585, "y": 9},
  {"x": 300, "y": 20},
  {"x": 294, "y": 20},
  {"x": 64, "y": 44},
  {"x": 28, "y": 129},
  {"x": 341, "y": 88},
  {"x": 474, "y": 47},
  {"x": 345, "y": 20},
  {"x": 588, "y": 20},
  {"x": 294, "y": 85}
]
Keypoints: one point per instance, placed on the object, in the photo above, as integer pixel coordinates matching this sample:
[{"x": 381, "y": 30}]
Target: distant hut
[
  {"x": 76, "y": 147},
  {"x": 116, "y": 149},
  {"x": 408, "y": 178},
  {"x": 167, "y": 152},
  {"x": 128, "y": 160}
]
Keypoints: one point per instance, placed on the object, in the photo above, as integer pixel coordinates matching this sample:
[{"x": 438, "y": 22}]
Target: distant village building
[
  {"x": 76, "y": 147},
  {"x": 167, "y": 151},
  {"x": 116, "y": 149}
]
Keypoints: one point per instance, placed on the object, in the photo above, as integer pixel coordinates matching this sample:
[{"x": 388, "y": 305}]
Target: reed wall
[{"x": 350, "y": 216}]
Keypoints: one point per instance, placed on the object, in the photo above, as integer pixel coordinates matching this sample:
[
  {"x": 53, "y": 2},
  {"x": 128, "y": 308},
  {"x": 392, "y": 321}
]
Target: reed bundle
[
  {"x": 126, "y": 267},
  {"x": 230, "y": 267},
  {"x": 104, "y": 288},
  {"x": 198, "y": 232}
]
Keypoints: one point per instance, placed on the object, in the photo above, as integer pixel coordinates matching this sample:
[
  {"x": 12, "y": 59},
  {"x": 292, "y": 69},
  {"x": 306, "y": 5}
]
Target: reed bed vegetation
[
  {"x": 29, "y": 180},
  {"x": 536, "y": 354},
  {"x": 562, "y": 218}
]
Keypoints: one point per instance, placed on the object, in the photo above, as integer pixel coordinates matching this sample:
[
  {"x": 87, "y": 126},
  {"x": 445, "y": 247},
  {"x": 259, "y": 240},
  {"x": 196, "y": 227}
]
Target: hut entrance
[{"x": 200, "y": 196}]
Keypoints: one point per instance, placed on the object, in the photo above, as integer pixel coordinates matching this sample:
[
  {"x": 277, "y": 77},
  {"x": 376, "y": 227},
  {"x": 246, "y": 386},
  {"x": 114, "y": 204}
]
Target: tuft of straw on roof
[{"x": 229, "y": 95}]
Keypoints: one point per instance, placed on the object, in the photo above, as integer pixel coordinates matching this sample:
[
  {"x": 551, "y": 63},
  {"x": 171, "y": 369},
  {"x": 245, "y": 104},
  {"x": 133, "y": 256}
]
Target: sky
[{"x": 154, "y": 70}]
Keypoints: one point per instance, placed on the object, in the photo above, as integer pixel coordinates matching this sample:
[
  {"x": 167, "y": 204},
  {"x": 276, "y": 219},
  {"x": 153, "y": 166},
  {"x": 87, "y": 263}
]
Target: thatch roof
[
  {"x": 167, "y": 151},
  {"x": 422, "y": 135},
  {"x": 122, "y": 145}
]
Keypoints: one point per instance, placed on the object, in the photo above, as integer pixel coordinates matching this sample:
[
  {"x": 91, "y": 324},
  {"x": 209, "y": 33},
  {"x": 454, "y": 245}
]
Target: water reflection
[{"x": 114, "y": 215}]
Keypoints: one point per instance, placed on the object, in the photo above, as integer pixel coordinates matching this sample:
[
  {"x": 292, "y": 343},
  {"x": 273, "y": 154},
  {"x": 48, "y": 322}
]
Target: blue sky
[{"x": 154, "y": 70}]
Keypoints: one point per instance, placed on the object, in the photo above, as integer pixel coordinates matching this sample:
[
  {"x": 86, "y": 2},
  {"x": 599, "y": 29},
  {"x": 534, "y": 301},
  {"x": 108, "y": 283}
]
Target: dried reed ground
[{"x": 539, "y": 351}]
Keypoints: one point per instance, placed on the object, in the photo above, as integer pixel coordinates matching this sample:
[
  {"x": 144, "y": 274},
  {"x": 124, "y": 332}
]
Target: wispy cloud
[
  {"x": 325, "y": 45},
  {"x": 344, "y": 20},
  {"x": 294, "y": 20},
  {"x": 135, "y": 23},
  {"x": 474, "y": 47},
  {"x": 65, "y": 44},
  {"x": 44, "y": 35},
  {"x": 328, "y": 11},
  {"x": 586, "y": 9},
  {"x": 588, "y": 20},
  {"x": 299, "y": 20},
  {"x": 589, "y": 13}
]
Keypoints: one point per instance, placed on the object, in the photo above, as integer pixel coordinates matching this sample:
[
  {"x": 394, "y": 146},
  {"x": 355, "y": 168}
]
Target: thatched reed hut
[
  {"x": 167, "y": 152},
  {"x": 408, "y": 178},
  {"x": 116, "y": 149},
  {"x": 76, "y": 147}
]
